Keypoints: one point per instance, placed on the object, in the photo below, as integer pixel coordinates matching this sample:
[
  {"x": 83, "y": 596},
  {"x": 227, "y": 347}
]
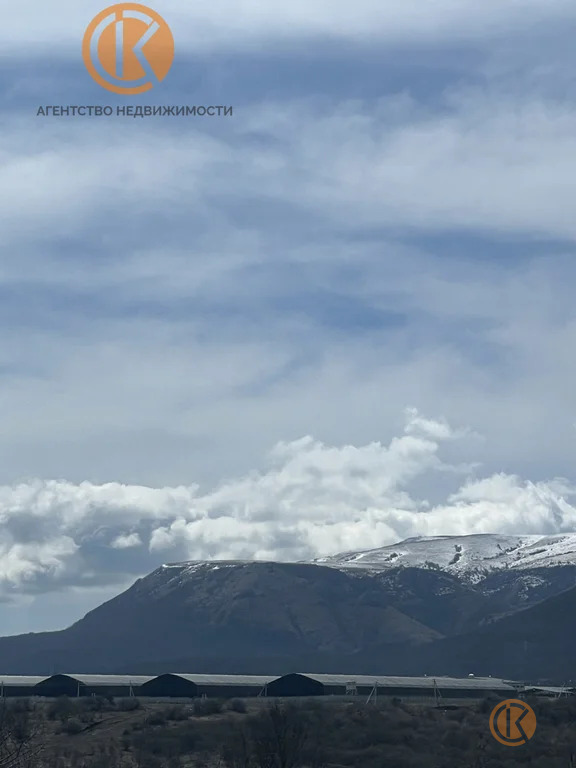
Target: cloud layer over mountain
[{"x": 311, "y": 500}]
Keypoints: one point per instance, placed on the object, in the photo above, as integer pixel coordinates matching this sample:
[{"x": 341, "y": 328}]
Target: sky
[{"x": 340, "y": 317}]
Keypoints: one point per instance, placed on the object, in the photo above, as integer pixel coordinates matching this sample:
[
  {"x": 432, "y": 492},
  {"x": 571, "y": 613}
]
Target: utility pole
[
  {"x": 373, "y": 692},
  {"x": 437, "y": 693}
]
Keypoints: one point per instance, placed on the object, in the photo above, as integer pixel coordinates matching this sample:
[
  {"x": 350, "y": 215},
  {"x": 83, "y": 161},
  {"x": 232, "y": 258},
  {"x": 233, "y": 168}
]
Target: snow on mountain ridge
[{"x": 471, "y": 555}]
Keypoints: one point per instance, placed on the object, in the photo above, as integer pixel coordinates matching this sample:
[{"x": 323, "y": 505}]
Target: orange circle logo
[
  {"x": 128, "y": 48},
  {"x": 512, "y": 722}
]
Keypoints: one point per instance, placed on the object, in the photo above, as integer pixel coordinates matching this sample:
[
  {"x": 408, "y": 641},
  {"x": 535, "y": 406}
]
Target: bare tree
[
  {"x": 19, "y": 745},
  {"x": 279, "y": 737}
]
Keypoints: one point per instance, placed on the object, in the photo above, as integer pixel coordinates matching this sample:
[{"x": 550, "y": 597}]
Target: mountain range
[{"x": 483, "y": 604}]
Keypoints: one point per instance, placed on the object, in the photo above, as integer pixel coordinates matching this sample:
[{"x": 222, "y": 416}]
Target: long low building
[
  {"x": 307, "y": 684},
  {"x": 187, "y": 685},
  {"x": 87, "y": 685},
  {"x": 19, "y": 685},
  {"x": 551, "y": 692},
  {"x": 190, "y": 686}
]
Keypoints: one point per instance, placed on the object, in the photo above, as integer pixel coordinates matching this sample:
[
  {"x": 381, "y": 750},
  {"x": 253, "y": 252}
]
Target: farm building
[
  {"x": 18, "y": 685},
  {"x": 217, "y": 686},
  {"x": 299, "y": 684},
  {"x": 550, "y": 692},
  {"x": 180, "y": 685},
  {"x": 86, "y": 685}
]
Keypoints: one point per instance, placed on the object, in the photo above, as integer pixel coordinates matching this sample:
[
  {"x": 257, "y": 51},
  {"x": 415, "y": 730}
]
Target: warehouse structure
[
  {"x": 88, "y": 685},
  {"x": 550, "y": 692},
  {"x": 186, "y": 685},
  {"x": 299, "y": 684},
  {"x": 192, "y": 686},
  {"x": 18, "y": 685}
]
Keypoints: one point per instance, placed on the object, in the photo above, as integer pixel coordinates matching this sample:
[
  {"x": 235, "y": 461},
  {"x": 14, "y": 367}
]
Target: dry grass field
[{"x": 141, "y": 733}]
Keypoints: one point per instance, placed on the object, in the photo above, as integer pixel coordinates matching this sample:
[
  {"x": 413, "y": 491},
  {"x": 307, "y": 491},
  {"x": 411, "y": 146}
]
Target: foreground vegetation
[{"x": 133, "y": 733}]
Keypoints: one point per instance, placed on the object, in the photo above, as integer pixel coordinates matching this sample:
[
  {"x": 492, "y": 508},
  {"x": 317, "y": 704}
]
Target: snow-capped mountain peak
[{"x": 471, "y": 555}]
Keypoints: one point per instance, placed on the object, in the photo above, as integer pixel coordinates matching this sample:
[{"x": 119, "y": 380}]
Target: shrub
[
  {"x": 61, "y": 709},
  {"x": 176, "y": 712},
  {"x": 237, "y": 705},
  {"x": 204, "y": 707},
  {"x": 487, "y": 704},
  {"x": 129, "y": 704},
  {"x": 21, "y": 705},
  {"x": 72, "y": 726},
  {"x": 93, "y": 704},
  {"x": 156, "y": 718}
]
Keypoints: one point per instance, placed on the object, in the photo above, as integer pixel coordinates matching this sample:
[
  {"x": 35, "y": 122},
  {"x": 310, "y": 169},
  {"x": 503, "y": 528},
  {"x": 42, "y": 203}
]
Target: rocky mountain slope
[
  {"x": 236, "y": 610},
  {"x": 437, "y": 605},
  {"x": 533, "y": 644},
  {"x": 458, "y": 583}
]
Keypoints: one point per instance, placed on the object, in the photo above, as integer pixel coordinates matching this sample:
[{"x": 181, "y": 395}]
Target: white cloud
[
  {"x": 496, "y": 161},
  {"x": 223, "y": 23},
  {"x": 126, "y": 541},
  {"x": 439, "y": 430},
  {"x": 311, "y": 500},
  {"x": 489, "y": 160},
  {"x": 30, "y": 562}
]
